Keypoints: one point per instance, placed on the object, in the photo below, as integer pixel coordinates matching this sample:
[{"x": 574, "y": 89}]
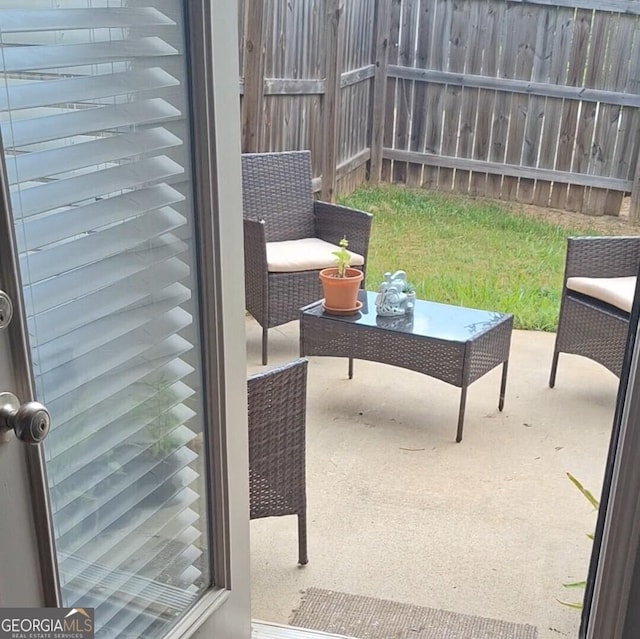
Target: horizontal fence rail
[{"x": 536, "y": 101}]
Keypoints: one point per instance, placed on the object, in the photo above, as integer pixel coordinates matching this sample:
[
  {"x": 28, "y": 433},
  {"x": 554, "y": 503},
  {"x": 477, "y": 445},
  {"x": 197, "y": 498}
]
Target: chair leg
[
  {"x": 303, "y": 559},
  {"x": 554, "y": 368},
  {"x": 265, "y": 337}
]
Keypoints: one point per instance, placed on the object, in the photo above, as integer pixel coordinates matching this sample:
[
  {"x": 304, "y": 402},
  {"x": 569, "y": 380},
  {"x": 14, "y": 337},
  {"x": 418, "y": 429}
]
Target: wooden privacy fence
[
  {"x": 528, "y": 100},
  {"x": 307, "y": 69}
]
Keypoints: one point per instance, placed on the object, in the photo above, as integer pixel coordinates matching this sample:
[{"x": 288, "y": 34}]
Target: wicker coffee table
[{"x": 454, "y": 344}]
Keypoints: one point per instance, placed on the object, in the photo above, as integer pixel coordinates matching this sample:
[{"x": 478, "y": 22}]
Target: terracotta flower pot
[{"x": 341, "y": 293}]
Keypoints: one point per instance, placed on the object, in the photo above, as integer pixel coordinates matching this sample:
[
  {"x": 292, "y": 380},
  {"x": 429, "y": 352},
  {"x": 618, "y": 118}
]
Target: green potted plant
[{"x": 340, "y": 283}]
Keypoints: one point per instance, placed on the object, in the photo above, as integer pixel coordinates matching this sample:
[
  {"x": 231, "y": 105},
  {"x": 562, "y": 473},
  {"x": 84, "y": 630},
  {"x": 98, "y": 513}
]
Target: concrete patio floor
[{"x": 398, "y": 510}]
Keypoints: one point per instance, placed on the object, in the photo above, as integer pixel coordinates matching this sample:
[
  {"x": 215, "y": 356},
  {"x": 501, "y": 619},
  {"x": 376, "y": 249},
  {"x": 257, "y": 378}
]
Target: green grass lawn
[{"x": 475, "y": 253}]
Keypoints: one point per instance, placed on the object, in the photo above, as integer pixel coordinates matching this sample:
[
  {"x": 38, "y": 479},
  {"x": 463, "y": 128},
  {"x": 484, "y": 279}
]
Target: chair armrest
[
  {"x": 255, "y": 267},
  {"x": 602, "y": 256},
  {"x": 255, "y": 246},
  {"x": 333, "y": 222}
]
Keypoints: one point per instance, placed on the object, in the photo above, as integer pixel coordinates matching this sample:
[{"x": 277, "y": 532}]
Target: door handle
[
  {"x": 30, "y": 421},
  {"x": 6, "y": 310}
]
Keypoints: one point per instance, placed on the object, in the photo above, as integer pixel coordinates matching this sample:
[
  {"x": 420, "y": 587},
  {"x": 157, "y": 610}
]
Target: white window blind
[{"x": 95, "y": 129}]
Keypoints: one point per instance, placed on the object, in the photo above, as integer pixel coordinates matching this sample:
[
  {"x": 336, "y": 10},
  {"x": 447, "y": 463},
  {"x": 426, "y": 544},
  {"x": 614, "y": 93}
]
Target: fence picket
[
  {"x": 469, "y": 108},
  {"x": 381, "y": 31},
  {"x": 625, "y": 129},
  {"x": 523, "y": 54},
  {"x": 405, "y": 88},
  {"x": 486, "y": 34},
  {"x": 536, "y": 104},
  {"x": 571, "y": 197},
  {"x": 438, "y": 57},
  {"x": 392, "y": 88},
  {"x": 588, "y": 154},
  {"x": 424, "y": 25},
  {"x": 452, "y": 106},
  {"x": 253, "y": 73},
  {"x": 500, "y": 123}
]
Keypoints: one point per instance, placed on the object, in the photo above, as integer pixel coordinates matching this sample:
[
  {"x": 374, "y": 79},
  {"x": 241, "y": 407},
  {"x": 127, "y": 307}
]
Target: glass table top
[{"x": 429, "y": 319}]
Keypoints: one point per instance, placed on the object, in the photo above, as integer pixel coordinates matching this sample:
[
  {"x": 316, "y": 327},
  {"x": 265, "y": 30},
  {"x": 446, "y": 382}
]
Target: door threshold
[{"x": 268, "y": 630}]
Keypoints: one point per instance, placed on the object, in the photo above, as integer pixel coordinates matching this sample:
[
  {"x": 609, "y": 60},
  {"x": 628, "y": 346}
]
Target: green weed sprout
[{"x": 596, "y": 504}]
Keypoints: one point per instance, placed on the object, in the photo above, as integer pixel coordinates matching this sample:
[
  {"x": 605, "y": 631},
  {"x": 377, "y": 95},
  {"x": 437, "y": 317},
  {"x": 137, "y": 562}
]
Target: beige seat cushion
[
  {"x": 308, "y": 254},
  {"x": 617, "y": 291}
]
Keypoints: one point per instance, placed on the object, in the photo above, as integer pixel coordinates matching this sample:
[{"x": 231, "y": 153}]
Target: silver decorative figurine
[{"x": 393, "y": 299}]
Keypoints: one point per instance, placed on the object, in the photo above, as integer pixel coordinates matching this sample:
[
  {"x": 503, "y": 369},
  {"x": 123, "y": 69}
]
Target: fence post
[
  {"x": 634, "y": 207},
  {"x": 253, "y": 76},
  {"x": 379, "y": 93},
  {"x": 333, "y": 48}
]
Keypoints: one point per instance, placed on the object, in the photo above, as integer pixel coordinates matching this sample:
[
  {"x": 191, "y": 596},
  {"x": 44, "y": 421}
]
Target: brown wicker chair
[
  {"x": 277, "y": 417},
  {"x": 278, "y": 205},
  {"x": 589, "y": 326}
]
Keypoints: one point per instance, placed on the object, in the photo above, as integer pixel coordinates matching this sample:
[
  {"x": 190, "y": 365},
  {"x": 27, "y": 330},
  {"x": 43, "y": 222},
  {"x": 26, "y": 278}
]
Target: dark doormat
[{"x": 369, "y": 618}]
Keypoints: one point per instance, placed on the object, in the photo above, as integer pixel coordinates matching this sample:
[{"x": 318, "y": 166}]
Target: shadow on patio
[{"x": 398, "y": 510}]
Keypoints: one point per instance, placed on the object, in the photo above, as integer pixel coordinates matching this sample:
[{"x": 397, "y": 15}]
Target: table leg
[
  {"x": 463, "y": 402},
  {"x": 351, "y": 368},
  {"x": 503, "y": 385}
]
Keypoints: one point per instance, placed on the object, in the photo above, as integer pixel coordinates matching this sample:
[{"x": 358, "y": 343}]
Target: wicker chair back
[
  {"x": 277, "y": 405},
  {"x": 277, "y": 189}
]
